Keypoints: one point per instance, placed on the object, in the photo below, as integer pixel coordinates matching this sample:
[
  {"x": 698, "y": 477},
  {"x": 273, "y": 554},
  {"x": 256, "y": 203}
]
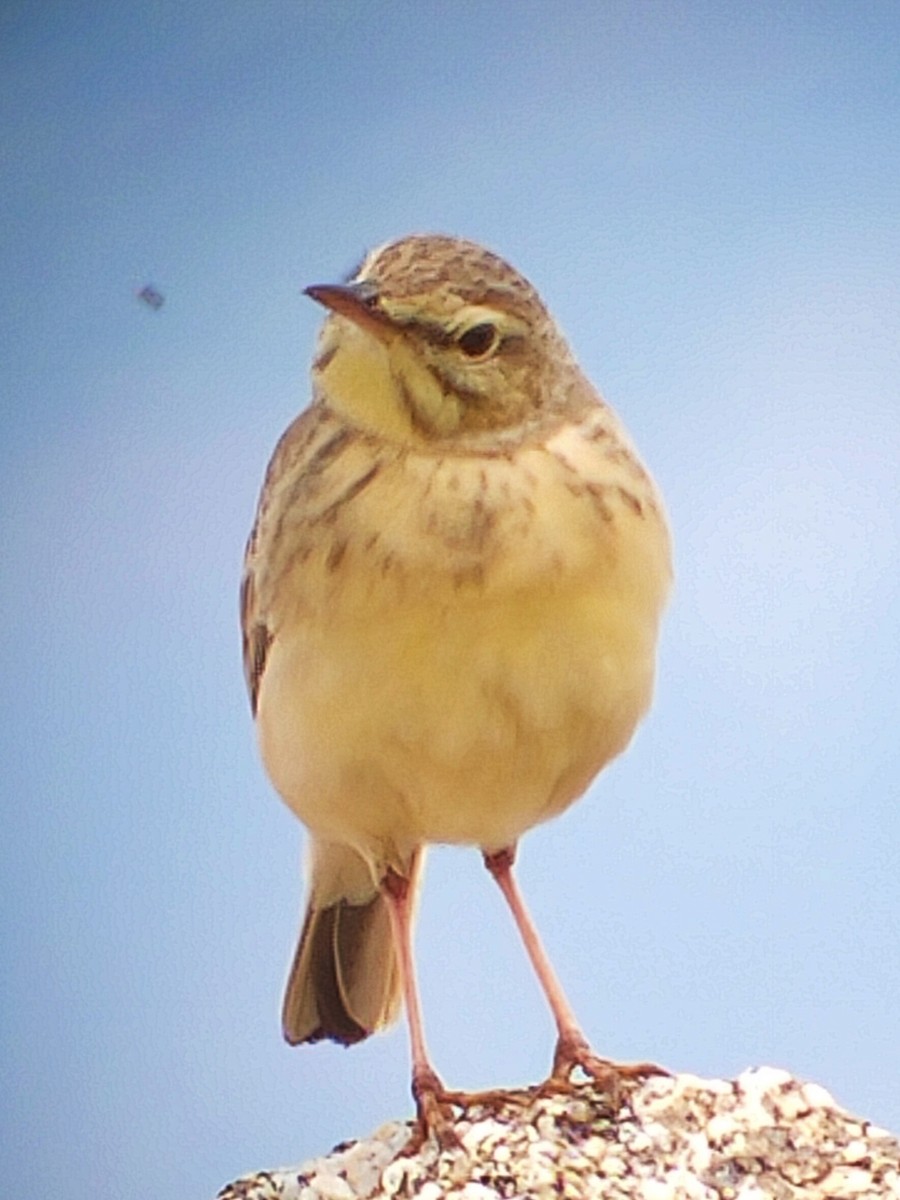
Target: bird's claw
[
  {"x": 572, "y": 1052},
  {"x": 434, "y": 1113}
]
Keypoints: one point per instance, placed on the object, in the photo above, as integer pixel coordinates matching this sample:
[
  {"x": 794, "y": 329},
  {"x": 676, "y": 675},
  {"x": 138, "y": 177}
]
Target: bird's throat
[{"x": 384, "y": 387}]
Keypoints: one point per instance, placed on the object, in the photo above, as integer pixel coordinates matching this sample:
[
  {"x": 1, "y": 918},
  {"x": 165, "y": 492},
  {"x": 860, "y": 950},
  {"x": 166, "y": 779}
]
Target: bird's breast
[{"x": 465, "y": 648}]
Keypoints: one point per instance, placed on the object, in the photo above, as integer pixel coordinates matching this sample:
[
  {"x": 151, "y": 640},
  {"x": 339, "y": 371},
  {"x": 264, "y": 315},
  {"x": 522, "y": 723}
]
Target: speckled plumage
[{"x": 451, "y": 597}]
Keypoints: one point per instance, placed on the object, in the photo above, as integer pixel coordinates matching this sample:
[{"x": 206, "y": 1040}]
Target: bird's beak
[{"x": 356, "y": 302}]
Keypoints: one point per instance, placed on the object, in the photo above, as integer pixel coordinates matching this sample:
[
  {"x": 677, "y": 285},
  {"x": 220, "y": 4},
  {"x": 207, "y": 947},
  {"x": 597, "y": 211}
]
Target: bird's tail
[{"x": 344, "y": 981}]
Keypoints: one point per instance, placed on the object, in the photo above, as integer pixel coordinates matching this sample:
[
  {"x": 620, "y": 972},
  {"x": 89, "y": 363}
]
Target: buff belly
[{"x": 465, "y": 721}]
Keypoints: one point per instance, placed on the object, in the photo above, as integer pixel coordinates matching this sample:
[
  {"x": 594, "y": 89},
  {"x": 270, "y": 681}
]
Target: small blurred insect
[{"x": 151, "y": 297}]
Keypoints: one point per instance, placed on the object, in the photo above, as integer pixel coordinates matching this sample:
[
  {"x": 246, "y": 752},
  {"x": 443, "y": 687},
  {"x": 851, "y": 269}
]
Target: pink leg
[
  {"x": 572, "y": 1047},
  {"x": 434, "y": 1113}
]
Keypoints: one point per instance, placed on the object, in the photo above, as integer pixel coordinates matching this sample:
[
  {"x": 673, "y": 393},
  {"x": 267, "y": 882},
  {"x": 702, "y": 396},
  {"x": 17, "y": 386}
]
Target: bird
[{"x": 450, "y": 608}]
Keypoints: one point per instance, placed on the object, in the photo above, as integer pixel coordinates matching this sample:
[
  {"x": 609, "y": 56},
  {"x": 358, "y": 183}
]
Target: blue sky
[{"x": 706, "y": 195}]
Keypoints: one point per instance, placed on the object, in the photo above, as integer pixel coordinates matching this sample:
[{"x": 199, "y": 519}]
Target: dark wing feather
[{"x": 255, "y": 635}]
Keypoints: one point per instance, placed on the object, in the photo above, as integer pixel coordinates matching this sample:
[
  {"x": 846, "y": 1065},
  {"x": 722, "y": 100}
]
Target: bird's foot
[
  {"x": 492, "y": 1098},
  {"x": 438, "y": 1108},
  {"x": 572, "y": 1051},
  {"x": 435, "y": 1114}
]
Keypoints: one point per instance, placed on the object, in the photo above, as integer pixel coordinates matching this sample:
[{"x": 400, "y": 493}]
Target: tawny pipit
[{"x": 450, "y": 612}]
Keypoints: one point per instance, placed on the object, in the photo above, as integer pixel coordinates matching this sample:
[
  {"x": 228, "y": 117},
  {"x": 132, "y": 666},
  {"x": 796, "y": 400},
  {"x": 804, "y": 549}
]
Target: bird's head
[{"x": 436, "y": 338}]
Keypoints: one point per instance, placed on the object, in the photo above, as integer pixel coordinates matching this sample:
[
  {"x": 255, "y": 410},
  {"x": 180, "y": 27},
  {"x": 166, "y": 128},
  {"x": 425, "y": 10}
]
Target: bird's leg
[
  {"x": 434, "y": 1113},
  {"x": 572, "y": 1047}
]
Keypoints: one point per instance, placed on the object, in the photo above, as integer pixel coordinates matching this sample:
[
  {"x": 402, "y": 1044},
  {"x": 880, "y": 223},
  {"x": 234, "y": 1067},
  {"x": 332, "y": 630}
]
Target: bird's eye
[{"x": 478, "y": 341}]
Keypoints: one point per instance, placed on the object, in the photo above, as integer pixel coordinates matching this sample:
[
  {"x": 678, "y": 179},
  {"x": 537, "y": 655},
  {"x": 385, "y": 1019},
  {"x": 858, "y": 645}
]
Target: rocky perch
[{"x": 764, "y": 1136}]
